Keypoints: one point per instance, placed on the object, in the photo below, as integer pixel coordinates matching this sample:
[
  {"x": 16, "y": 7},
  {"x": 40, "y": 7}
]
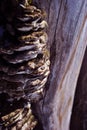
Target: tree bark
[{"x": 67, "y": 20}]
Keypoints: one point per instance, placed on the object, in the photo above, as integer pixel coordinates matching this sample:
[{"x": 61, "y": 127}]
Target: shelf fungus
[{"x": 24, "y": 63}]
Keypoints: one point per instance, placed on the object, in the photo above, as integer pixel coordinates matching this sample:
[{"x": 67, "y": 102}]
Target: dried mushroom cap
[
  {"x": 33, "y": 26},
  {"x": 20, "y": 57},
  {"x": 42, "y": 36},
  {"x": 22, "y": 117},
  {"x": 24, "y": 57}
]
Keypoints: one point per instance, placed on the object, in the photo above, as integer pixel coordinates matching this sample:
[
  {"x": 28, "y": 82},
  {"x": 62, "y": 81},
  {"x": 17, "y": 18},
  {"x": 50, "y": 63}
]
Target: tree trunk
[
  {"x": 67, "y": 42},
  {"x": 67, "y": 21}
]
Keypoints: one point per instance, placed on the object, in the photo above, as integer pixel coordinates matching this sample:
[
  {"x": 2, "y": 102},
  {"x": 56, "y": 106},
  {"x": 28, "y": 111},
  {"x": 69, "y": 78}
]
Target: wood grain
[{"x": 67, "y": 20}]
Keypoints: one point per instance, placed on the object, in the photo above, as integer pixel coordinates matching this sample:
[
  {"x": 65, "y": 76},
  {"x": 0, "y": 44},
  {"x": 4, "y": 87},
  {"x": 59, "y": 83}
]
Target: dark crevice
[
  {"x": 79, "y": 112},
  {"x": 39, "y": 125}
]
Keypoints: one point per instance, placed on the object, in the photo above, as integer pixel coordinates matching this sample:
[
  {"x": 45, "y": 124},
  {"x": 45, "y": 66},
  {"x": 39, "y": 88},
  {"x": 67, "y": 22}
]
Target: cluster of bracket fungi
[{"x": 24, "y": 58}]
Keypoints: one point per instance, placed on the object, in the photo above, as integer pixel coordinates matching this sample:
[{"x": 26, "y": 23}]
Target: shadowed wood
[{"x": 79, "y": 113}]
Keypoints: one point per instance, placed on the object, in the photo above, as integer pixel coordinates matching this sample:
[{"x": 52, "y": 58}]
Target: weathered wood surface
[
  {"x": 67, "y": 20},
  {"x": 79, "y": 113}
]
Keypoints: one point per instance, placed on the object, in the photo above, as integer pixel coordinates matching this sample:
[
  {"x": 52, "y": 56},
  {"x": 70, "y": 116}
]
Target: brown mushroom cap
[{"x": 24, "y": 58}]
